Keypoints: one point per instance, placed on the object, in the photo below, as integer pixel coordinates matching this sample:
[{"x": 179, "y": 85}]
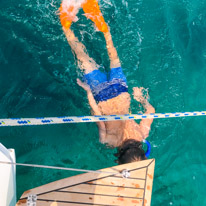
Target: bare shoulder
[
  {"x": 114, "y": 133},
  {"x": 132, "y": 131}
]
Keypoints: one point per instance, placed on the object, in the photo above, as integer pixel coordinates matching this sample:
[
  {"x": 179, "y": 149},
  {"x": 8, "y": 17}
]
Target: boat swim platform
[{"x": 98, "y": 189}]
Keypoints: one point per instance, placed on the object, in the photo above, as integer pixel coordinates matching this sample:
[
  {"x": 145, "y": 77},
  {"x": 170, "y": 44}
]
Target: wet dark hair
[{"x": 130, "y": 151}]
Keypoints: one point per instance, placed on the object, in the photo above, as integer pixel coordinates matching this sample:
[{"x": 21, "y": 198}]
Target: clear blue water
[{"x": 162, "y": 46}]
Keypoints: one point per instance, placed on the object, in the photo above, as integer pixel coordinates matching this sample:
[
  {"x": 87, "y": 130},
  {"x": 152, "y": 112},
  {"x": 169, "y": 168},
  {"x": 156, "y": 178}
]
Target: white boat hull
[{"x": 7, "y": 177}]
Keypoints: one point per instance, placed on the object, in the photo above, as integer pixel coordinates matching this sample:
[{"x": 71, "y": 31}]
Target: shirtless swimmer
[{"x": 109, "y": 96}]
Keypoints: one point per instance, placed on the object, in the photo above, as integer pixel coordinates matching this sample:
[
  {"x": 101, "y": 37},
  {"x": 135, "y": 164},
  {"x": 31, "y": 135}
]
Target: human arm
[
  {"x": 145, "y": 124},
  {"x": 94, "y": 107}
]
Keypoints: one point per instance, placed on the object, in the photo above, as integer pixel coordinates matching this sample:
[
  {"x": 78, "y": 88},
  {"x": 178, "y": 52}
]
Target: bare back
[{"x": 115, "y": 129}]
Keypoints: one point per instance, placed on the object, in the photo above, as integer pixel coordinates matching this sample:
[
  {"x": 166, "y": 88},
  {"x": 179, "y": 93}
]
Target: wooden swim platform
[{"x": 99, "y": 189}]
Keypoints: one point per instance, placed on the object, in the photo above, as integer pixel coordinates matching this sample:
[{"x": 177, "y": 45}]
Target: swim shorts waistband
[{"x": 110, "y": 92}]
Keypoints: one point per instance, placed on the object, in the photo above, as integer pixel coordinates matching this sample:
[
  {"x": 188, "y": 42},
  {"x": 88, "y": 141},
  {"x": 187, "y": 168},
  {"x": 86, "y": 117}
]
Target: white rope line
[
  {"x": 58, "y": 168},
  {"x": 74, "y": 119}
]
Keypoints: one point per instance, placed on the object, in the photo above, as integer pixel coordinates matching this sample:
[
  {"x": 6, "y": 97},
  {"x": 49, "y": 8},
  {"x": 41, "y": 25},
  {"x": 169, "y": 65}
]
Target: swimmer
[{"x": 109, "y": 96}]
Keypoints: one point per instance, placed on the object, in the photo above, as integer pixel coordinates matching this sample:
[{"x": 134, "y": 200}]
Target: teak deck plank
[
  {"x": 99, "y": 189},
  {"x": 105, "y": 190}
]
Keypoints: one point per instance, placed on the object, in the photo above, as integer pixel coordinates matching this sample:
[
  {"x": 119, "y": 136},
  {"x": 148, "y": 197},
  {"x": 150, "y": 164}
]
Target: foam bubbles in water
[
  {"x": 76, "y": 6},
  {"x": 75, "y": 3}
]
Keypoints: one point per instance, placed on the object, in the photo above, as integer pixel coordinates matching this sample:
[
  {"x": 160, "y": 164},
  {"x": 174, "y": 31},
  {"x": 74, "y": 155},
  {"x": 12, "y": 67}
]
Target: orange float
[
  {"x": 92, "y": 11},
  {"x": 65, "y": 18}
]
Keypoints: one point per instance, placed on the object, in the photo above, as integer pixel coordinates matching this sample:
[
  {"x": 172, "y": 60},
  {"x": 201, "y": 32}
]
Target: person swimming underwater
[{"x": 108, "y": 96}]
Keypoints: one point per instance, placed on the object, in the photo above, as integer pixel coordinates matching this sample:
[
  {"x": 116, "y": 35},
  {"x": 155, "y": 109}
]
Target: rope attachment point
[
  {"x": 31, "y": 200},
  {"x": 125, "y": 173}
]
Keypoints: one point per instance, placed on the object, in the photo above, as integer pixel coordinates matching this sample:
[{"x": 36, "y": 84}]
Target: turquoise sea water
[{"x": 162, "y": 47}]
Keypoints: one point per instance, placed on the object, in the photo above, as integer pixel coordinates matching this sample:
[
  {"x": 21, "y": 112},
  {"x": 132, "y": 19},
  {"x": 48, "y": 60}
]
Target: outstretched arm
[
  {"x": 145, "y": 124},
  {"x": 94, "y": 107},
  {"x": 112, "y": 52}
]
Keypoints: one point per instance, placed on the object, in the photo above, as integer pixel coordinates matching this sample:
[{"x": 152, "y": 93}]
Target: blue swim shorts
[{"x": 104, "y": 88}]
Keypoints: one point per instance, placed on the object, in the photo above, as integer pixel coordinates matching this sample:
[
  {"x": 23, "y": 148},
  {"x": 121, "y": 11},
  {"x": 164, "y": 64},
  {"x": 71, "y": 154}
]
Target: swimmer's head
[{"x": 130, "y": 151}]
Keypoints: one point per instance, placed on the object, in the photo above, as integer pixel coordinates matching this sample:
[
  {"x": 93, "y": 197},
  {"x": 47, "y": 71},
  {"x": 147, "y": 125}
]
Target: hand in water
[
  {"x": 139, "y": 95},
  {"x": 85, "y": 86}
]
